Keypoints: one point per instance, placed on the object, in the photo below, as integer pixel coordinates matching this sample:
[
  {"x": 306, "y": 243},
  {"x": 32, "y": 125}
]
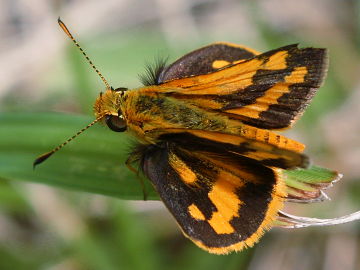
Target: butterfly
[{"x": 205, "y": 126}]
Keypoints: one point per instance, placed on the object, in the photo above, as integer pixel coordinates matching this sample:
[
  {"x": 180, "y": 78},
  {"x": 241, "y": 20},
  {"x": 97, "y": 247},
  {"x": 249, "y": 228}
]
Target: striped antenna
[
  {"x": 67, "y": 32},
  {"x": 45, "y": 156}
]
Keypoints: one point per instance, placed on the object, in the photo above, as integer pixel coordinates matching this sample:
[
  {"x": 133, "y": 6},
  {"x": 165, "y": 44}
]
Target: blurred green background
[{"x": 46, "y": 95}]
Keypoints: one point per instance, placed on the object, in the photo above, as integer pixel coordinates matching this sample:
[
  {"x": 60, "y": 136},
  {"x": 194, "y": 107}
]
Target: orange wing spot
[
  {"x": 226, "y": 201},
  {"x": 220, "y": 63},
  {"x": 297, "y": 76},
  {"x": 272, "y": 94},
  {"x": 186, "y": 174},
  {"x": 277, "y": 61},
  {"x": 262, "y": 103},
  {"x": 195, "y": 212}
]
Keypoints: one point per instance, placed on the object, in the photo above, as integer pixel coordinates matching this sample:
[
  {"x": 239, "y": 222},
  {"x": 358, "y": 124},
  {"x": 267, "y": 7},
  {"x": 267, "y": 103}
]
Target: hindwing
[
  {"x": 271, "y": 155},
  {"x": 222, "y": 201}
]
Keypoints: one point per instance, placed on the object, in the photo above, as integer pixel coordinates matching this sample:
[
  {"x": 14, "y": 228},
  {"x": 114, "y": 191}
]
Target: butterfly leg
[{"x": 131, "y": 159}]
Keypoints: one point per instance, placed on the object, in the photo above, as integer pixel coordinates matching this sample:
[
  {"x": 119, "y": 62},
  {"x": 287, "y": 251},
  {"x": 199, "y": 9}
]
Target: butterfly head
[{"x": 107, "y": 107}]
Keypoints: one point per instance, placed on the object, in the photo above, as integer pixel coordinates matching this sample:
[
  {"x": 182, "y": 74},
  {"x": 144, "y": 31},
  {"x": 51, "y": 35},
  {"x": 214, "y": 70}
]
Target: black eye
[
  {"x": 121, "y": 89},
  {"x": 115, "y": 123}
]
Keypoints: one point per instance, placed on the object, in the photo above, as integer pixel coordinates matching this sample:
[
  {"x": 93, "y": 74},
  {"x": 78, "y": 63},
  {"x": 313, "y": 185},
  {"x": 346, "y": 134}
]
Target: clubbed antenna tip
[
  {"x": 42, "y": 158},
  {"x": 45, "y": 156}
]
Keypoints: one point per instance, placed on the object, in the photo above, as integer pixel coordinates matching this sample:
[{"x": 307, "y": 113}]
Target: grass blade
[{"x": 94, "y": 162}]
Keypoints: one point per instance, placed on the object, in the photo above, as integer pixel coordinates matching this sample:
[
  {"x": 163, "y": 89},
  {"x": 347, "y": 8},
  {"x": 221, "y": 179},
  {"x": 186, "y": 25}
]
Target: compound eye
[
  {"x": 120, "y": 89},
  {"x": 115, "y": 123}
]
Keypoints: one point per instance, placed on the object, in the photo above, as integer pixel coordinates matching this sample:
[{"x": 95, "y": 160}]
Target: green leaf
[
  {"x": 307, "y": 183},
  {"x": 93, "y": 162},
  {"x": 313, "y": 175}
]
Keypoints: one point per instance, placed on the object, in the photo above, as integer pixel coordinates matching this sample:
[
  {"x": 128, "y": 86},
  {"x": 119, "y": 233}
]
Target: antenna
[
  {"x": 67, "y": 32},
  {"x": 45, "y": 156}
]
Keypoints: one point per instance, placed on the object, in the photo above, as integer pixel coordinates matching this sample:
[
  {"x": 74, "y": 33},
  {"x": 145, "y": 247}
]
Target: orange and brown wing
[
  {"x": 205, "y": 60},
  {"x": 268, "y": 91},
  {"x": 222, "y": 201},
  {"x": 267, "y": 153}
]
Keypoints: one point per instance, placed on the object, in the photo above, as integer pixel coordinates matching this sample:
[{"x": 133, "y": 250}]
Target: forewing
[
  {"x": 205, "y": 60},
  {"x": 267, "y": 91},
  {"x": 222, "y": 201}
]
